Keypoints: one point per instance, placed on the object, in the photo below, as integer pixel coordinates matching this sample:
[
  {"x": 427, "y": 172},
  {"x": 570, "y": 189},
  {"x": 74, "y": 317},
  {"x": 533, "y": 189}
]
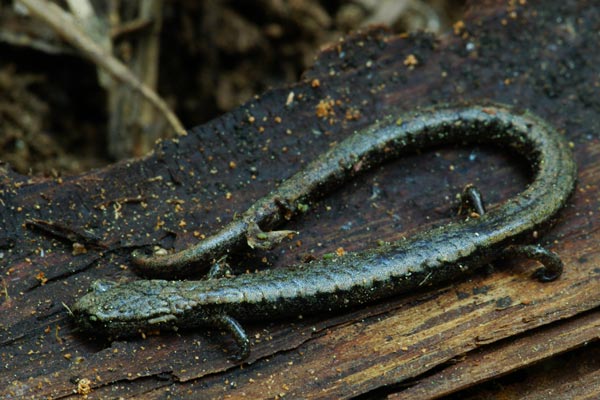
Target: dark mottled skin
[{"x": 426, "y": 258}]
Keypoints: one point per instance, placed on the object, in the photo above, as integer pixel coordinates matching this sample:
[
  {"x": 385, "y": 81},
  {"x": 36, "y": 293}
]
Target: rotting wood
[
  {"x": 189, "y": 188},
  {"x": 574, "y": 375},
  {"x": 505, "y": 357}
]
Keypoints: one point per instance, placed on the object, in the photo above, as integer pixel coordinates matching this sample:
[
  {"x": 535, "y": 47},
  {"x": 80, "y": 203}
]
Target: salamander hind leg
[
  {"x": 220, "y": 269},
  {"x": 552, "y": 264},
  {"x": 230, "y": 325},
  {"x": 472, "y": 201}
]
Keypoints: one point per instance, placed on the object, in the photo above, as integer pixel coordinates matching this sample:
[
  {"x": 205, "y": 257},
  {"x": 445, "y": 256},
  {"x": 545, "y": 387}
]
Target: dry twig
[{"x": 65, "y": 26}]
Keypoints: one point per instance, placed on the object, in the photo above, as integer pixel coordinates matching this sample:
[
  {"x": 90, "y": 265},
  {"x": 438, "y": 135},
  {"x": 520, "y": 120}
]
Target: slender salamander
[{"x": 428, "y": 257}]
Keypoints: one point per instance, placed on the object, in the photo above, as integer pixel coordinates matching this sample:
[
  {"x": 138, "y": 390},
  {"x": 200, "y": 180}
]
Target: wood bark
[{"x": 59, "y": 235}]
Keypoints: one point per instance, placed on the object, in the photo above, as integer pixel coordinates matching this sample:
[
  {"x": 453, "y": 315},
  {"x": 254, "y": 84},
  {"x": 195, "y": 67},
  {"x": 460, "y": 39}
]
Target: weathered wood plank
[
  {"x": 574, "y": 375},
  {"x": 505, "y": 357},
  {"x": 542, "y": 56}
]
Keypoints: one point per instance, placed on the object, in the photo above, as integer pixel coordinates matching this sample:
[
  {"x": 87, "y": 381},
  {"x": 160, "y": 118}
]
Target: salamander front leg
[
  {"x": 552, "y": 264},
  {"x": 259, "y": 239},
  {"x": 471, "y": 199},
  {"x": 220, "y": 269},
  {"x": 230, "y": 325}
]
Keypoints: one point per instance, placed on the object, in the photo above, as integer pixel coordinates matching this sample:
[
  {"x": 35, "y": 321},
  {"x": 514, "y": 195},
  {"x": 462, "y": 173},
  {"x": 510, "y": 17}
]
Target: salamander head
[{"x": 124, "y": 309}]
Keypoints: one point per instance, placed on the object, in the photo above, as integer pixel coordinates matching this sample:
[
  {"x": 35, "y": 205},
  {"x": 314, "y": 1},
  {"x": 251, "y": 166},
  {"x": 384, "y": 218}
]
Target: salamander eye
[{"x": 101, "y": 286}]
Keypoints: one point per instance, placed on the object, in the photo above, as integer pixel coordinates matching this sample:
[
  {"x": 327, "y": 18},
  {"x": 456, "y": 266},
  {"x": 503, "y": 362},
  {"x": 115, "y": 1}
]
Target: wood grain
[{"x": 541, "y": 56}]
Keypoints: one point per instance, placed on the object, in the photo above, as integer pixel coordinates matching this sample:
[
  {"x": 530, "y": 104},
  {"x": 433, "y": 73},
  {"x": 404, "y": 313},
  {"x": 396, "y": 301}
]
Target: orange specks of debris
[
  {"x": 411, "y": 61},
  {"x": 459, "y": 27},
  {"x": 352, "y": 114},
  {"x": 41, "y": 277},
  {"x": 325, "y": 108},
  {"x": 84, "y": 386},
  {"x": 78, "y": 249},
  {"x": 159, "y": 224}
]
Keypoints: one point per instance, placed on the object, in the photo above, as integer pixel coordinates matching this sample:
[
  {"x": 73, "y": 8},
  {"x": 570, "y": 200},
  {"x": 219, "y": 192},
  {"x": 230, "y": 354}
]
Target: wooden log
[
  {"x": 507, "y": 356},
  {"x": 59, "y": 235}
]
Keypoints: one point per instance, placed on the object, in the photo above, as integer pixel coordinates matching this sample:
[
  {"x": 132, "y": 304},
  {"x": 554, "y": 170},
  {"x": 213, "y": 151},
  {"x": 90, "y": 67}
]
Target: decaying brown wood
[
  {"x": 504, "y": 357},
  {"x": 574, "y": 375},
  {"x": 60, "y": 235}
]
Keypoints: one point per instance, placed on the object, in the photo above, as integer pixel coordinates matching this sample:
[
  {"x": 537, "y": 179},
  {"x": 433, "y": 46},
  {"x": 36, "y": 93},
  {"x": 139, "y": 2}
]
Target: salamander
[{"x": 440, "y": 254}]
